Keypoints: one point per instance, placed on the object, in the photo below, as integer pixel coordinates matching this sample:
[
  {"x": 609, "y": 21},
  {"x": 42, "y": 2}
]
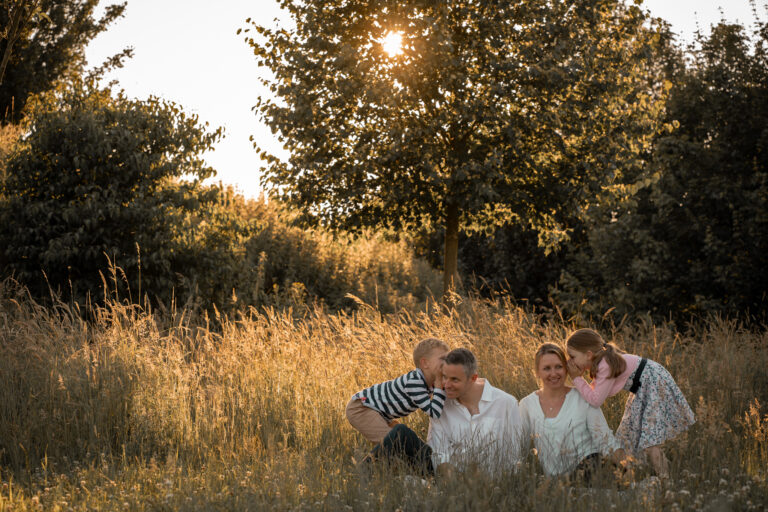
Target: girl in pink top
[{"x": 656, "y": 409}]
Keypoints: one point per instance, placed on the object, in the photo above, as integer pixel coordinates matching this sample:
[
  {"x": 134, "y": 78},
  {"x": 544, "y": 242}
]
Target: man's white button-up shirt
[{"x": 490, "y": 439}]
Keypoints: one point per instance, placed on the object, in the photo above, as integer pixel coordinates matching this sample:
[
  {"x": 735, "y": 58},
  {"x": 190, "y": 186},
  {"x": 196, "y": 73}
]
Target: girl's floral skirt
[{"x": 657, "y": 413}]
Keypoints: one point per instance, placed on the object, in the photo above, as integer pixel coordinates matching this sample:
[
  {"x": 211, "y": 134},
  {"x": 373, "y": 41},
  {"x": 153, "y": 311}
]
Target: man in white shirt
[{"x": 480, "y": 425}]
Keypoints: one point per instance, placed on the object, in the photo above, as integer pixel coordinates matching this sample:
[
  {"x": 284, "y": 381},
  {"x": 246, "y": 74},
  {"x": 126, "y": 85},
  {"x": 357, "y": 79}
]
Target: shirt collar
[{"x": 488, "y": 392}]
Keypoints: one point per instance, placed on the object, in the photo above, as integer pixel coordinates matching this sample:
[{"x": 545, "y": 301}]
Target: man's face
[{"x": 455, "y": 380}]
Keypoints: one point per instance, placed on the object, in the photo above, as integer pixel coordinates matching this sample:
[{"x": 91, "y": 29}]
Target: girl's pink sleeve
[{"x": 596, "y": 393}]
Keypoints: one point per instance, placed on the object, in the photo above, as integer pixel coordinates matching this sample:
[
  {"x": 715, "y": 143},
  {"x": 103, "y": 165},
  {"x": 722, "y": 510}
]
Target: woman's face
[{"x": 551, "y": 371}]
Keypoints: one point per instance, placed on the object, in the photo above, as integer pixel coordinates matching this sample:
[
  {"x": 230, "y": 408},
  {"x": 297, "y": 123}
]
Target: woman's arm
[{"x": 601, "y": 433}]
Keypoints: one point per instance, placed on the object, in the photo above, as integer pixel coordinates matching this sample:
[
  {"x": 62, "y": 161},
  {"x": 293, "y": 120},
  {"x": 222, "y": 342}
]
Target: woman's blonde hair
[{"x": 585, "y": 340}]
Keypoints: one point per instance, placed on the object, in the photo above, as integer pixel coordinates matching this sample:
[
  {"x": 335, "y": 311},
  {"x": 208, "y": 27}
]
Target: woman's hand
[{"x": 573, "y": 370}]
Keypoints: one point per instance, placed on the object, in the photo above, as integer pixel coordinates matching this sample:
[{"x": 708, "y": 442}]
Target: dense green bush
[
  {"x": 96, "y": 181},
  {"x": 293, "y": 262},
  {"x": 695, "y": 240},
  {"x": 508, "y": 261},
  {"x": 692, "y": 239},
  {"x": 104, "y": 196}
]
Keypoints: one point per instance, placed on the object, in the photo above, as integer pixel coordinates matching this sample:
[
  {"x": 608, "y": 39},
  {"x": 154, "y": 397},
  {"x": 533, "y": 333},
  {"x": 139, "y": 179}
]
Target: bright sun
[{"x": 393, "y": 43}]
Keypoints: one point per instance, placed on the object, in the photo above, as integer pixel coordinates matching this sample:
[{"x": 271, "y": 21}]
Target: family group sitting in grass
[{"x": 473, "y": 424}]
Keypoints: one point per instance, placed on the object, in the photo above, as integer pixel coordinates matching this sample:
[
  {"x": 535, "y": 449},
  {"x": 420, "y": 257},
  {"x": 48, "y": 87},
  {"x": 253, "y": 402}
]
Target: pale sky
[{"x": 188, "y": 51}]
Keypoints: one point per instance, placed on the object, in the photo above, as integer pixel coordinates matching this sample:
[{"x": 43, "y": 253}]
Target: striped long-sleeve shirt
[{"x": 401, "y": 396}]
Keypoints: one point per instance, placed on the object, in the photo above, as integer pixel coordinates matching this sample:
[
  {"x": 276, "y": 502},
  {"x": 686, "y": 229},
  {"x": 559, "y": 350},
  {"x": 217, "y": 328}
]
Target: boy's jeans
[{"x": 403, "y": 443}]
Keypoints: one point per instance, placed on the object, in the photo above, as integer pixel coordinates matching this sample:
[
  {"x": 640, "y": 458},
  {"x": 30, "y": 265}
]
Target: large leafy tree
[
  {"x": 100, "y": 179},
  {"x": 43, "y": 40},
  {"x": 695, "y": 241},
  {"x": 496, "y": 112}
]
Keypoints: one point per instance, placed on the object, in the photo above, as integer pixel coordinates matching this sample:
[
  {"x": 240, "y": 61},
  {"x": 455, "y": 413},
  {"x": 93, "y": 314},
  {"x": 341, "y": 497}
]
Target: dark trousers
[{"x": 402, "y": 443}]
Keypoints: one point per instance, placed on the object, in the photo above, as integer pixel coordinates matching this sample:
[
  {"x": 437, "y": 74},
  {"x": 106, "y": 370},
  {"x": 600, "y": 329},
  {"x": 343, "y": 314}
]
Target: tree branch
[{"x": 12, "y": 31}]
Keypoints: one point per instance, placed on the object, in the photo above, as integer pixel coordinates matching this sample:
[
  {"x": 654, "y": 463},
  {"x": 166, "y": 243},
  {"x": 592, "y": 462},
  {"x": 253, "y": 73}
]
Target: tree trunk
[
  {"x": 450, "y": 256},
  {"x": 15, "y": 13}
]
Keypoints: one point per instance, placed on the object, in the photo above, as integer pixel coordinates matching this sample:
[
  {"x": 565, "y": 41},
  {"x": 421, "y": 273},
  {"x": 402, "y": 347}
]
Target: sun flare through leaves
[{"x": 392, "y": 42}]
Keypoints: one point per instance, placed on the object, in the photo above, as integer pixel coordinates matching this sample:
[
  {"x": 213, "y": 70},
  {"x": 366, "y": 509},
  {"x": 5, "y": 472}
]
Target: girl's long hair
[{"x": 588, "y": 339}]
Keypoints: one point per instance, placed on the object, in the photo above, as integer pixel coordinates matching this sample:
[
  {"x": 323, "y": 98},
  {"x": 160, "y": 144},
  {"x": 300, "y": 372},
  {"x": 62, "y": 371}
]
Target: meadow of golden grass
[{"x": 134, "y": 410}]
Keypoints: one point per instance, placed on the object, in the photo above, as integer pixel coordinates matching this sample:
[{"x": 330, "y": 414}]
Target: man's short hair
[
  {"x": 463, "y": 357},
  {"x": 425, "y": 347}
]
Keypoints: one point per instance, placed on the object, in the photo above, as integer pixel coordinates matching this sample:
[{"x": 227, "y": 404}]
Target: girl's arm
[{"x": 596, "y": 393}]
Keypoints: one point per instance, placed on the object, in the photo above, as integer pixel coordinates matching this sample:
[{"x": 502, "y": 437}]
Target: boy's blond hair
[{"x": 425, "y": 347}]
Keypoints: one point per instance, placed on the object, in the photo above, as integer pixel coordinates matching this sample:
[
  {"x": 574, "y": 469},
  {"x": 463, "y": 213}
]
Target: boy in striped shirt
[{"x": 375, "y": 410}]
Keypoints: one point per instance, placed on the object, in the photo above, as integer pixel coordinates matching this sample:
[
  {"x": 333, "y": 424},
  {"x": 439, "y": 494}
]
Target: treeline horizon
[{"x": 102, "y": 197}]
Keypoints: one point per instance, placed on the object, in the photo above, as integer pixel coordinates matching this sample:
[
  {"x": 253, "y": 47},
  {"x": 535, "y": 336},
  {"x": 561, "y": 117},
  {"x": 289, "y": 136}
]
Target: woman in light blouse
[{"x": 569, "y": 434}]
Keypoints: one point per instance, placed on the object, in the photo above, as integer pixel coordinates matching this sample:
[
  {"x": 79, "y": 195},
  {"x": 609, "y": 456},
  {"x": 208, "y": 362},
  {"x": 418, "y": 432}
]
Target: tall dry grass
[{"x": 142, "y": 411}]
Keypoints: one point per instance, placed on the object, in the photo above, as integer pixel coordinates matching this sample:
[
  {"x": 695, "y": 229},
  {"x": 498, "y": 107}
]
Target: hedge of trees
[
  {"x": 104, "y": 194},
  {"x": 104, "y": 198},
  {"x": 693, "y": 240}
]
